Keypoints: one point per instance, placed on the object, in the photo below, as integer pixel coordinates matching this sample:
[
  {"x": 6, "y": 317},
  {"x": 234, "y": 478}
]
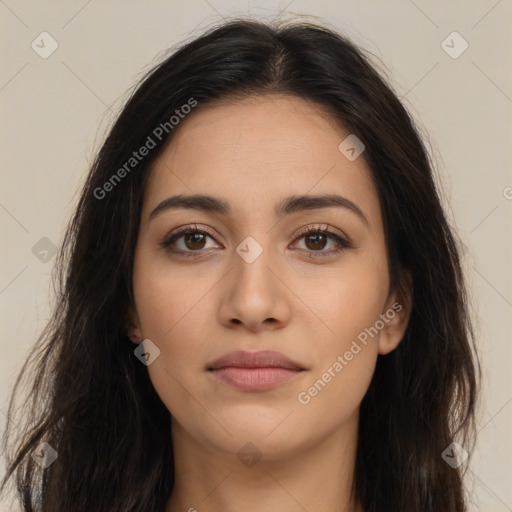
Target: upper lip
[{"x": 261, "y": 359}]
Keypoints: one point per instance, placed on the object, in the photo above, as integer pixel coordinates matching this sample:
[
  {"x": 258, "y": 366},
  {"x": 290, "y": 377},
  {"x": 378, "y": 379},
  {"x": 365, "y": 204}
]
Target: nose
[{"x": 254, "y": 295}]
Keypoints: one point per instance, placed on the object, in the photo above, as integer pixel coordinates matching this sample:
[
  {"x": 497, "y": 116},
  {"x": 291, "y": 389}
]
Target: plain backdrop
[{"x": 55, "y": 110}]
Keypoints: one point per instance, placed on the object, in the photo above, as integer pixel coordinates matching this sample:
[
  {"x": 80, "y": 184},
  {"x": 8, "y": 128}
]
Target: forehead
[{"x": 256, "y": 151}]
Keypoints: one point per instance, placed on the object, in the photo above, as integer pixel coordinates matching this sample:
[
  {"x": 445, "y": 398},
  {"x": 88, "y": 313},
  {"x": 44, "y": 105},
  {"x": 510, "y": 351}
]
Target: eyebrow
[{"x": 292, "y": 204}]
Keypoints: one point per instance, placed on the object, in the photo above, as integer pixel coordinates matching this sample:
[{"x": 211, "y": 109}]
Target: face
[{"x": 255, "y": 272}]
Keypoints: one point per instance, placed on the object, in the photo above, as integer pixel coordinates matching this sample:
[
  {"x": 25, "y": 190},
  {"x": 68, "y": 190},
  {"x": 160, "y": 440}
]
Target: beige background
[{"x": 55, "y": 110}]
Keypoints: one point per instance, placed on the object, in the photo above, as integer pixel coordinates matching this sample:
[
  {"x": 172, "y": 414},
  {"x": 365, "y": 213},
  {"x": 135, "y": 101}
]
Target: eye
[
  {"x": 190, "y": 240},
  {"x": 194, "y": 240},
  {"x": 317, "y": 237}
]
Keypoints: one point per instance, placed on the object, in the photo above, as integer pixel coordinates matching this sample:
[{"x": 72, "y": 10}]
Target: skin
[{"x": 253, "y": 153}]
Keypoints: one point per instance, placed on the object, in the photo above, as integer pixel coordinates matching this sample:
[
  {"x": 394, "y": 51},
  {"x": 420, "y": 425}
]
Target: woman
[{"x": 261, "y": 302}]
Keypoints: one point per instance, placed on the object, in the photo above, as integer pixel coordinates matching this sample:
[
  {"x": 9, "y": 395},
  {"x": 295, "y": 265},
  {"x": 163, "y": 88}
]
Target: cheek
[
  {"x": 336, "y": 392},
  {"x": 167, "y": 298},
  {"x": 343, "y": 299},
  {"x": 345, "y": 358},
  {"x": 160, "y": 312},
  {"x": 350, "y": 304},
  {"x": 358, "y": 301},
  {"x": 173, "y": 312}
]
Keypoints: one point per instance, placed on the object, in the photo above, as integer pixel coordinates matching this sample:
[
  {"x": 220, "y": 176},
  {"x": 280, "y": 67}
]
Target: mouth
[{"x": 254, "y": 371}]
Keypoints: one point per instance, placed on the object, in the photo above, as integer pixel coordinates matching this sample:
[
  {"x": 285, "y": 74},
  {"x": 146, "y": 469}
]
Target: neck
[{"x": 315, "y": 478}]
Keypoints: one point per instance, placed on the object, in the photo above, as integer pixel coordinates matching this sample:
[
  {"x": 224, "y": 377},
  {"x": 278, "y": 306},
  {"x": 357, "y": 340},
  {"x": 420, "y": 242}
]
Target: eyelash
[{"x": 343, "y": 243}]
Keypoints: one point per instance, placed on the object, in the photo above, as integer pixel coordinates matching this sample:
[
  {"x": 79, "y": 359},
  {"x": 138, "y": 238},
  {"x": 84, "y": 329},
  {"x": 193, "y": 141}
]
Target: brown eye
[
  {"x": 190, "y": 241},
  {"x": 194, "y": 241},
  {"x": 187, "y": 241},
  {"x": 318, "y": 240}
]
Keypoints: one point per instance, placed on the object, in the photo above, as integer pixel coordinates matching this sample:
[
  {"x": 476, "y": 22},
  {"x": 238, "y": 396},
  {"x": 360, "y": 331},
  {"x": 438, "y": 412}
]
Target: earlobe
[
  {"x": 396, "y": 316},
  {"x": 133, "y": 330}
]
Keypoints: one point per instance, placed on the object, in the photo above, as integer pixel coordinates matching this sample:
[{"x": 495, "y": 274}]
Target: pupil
[
  {"x": 320, "y": 238},
  {"x": 199, "y": 238}
]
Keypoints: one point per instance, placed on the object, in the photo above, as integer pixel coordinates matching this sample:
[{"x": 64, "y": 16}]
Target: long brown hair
[{"x": 91, "y": 399}]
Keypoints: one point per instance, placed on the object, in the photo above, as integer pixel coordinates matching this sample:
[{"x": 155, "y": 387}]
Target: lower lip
[{"x": 254, "y": 379}]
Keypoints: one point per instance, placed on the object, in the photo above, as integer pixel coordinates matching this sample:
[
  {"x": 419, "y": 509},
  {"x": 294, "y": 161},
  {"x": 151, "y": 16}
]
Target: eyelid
[
  {"x": 325, "y": 228},
  {"x": 343, "y": 241},
  {"x": 185, "y": 229}
]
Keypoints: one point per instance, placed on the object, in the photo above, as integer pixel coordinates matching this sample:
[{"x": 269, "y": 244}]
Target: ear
[
  {"x": 396, "y": 314},
  {"x": 133, "y": 330}
]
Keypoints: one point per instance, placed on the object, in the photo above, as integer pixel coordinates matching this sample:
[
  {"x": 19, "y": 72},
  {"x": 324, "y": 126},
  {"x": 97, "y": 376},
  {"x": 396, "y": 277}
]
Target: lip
[{"x": 254, "y": 371}]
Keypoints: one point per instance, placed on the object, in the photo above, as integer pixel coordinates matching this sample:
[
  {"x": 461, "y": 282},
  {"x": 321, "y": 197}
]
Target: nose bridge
[
  {"x": 254, "y": 259},
  {"x": 255, "y": 293}
]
